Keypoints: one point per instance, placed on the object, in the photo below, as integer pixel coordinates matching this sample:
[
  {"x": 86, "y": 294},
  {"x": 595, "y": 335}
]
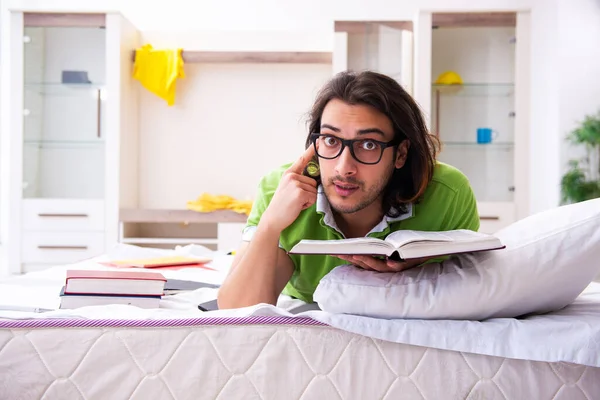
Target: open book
[{"x": 408, "y": 244}]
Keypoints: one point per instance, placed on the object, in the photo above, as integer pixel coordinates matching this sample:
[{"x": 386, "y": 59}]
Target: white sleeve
[{"x": 249, "y": 231}]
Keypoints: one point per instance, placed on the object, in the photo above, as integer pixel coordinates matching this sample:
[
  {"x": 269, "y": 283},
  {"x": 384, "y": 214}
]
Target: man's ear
[{"x": 402, "y": 153}]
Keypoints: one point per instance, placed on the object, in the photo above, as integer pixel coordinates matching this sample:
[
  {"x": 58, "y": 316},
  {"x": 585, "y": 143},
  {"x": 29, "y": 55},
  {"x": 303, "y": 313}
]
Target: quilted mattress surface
[{"x": 258, "y": 358}]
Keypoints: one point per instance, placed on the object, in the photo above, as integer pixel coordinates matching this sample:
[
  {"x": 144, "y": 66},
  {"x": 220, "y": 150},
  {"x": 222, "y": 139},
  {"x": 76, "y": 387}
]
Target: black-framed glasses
[{"x": 365, "y": 151}]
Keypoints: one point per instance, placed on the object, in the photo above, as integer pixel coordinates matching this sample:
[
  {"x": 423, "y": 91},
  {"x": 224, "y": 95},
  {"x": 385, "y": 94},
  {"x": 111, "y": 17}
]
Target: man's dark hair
[{"x": 383, "y": 93}]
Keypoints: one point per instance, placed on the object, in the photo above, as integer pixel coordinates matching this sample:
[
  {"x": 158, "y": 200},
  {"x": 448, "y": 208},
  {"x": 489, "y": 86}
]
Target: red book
[{"x": 129, "y": 283}]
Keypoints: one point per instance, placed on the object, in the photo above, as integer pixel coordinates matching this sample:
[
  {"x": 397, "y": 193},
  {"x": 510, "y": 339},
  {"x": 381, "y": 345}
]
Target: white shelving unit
[
  {"x": 490, "y": 51},
  {"x": 219, "y": 230},
  {"x": 68, "y": 121}
]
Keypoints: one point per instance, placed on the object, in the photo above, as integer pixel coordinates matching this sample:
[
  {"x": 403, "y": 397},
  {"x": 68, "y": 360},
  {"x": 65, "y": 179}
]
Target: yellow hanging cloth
[{"x": 158, "y": 70}]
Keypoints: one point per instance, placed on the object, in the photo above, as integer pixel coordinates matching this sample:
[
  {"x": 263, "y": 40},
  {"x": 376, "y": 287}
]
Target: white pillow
[{"x": 550, "y": 258}]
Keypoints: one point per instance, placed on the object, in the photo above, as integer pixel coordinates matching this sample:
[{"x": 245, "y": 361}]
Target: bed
[{"x": 266, "y": 352}]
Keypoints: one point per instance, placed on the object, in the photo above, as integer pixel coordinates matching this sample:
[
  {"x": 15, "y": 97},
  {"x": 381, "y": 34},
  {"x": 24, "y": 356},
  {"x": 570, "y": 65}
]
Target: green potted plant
[{"x": 582, "y": 180}]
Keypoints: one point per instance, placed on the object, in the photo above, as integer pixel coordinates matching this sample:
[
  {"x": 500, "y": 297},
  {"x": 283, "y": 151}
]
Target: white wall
[
  {"x": 247, "y": 118},
  {"x": 578, "y": 68},
  {"x": 266, "y": 15},
  {"x": 231, "y": 124},
  {"x": 544, "y": 163}
]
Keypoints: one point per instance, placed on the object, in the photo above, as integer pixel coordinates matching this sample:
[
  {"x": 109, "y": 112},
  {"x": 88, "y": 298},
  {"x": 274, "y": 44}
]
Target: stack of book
[{"x": 91, "y": 288}]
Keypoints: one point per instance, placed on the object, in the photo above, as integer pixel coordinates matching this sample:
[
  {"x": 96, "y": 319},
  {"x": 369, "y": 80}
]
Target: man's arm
[
  {"x": 259, "y": 272},
  {"x": 463, "y": 214},
  {"x": 261, "y": 269}
]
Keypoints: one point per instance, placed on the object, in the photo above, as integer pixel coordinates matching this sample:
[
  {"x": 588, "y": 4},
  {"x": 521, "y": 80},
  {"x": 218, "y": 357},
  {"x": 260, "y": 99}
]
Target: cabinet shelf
[
  {"x": 65, "y": 89},
  {"x": 65, "y": 144},
  {"x": 475, "y": 89},
  {"x": 479, "y": 146},
  {"x": 261, "y": 57},
  {"x": 159, "y": 240}
]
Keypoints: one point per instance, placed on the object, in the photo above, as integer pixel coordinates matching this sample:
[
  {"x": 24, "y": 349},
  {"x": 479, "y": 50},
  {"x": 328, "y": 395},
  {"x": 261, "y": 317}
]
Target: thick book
[
  {"x": 407, "y": 244},
  {"x": 70, "y": 301},
  {"x": 130, "y": 283}
]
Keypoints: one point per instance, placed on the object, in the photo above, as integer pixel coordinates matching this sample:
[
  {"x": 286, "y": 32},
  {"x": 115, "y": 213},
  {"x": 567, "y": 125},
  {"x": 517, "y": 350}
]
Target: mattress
[
  {"x": 261, "y": 357},
  {"x": 266, "y": 352}
]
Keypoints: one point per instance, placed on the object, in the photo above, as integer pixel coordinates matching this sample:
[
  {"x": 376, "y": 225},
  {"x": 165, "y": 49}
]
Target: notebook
[
  {"x": 70, "y": 301},
  {"x": 158, "y": 262},
  {"x": 174, "y": 286}
]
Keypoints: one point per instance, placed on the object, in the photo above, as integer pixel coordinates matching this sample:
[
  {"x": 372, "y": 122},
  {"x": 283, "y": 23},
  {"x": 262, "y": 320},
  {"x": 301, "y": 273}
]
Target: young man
[{"x": 378, "y": 174}]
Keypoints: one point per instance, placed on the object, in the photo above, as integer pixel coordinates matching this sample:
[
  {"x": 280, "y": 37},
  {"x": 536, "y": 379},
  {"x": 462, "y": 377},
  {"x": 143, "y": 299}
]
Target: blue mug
[{"x": 486, "y": 135}]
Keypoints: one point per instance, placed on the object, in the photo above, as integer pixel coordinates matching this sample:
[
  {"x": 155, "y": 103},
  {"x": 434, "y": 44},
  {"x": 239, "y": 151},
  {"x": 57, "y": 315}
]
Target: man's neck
[{"x": 360, "y": 223}]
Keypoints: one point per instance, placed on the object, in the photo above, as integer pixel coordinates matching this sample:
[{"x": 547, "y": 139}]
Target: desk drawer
[
  {"x": 63, "y": 215},
  {"x": 495, "y": 216},
  {"x": 60, "y": 247}
]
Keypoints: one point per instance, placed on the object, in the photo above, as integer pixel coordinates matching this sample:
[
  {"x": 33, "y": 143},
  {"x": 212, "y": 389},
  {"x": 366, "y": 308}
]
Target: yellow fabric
[
  {"x": 158, "y": 70},
  {"x": 207, "y": 203}
]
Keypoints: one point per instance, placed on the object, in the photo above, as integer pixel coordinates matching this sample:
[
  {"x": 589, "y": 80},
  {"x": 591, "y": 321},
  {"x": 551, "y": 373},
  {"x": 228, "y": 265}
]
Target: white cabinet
[
  {"x": 68, "y": 118},
  {"x": 490, "y": 53},
  {"x": 473, "y": 87},
  {"x": 218, "y": 230}
]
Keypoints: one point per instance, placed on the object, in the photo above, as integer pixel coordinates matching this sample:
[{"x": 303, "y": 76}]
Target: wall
[
  {"x": 247, "y": 118},
  {"x": 266, "y": 15},
  {"x": 304, "y": 15},
  {"x": 578, "y": 68},
  {"x": 544, "y": 162},
  {"x": 231, "y": 124}
]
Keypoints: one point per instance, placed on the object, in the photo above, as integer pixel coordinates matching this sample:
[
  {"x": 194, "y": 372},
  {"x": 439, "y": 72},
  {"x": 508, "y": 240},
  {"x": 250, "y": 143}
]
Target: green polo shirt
[{"x": 448, "y": 203}]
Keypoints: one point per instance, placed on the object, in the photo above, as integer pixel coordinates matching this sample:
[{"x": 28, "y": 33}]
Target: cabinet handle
[
  {"x": 64, "y": 215},
  {"x": 99, "y": 112},
  {"x": 489, "y": 218},
  {"x": 42, "y": 247}
]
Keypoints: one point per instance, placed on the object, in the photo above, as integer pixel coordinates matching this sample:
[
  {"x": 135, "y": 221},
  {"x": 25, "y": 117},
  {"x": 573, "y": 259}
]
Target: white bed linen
[{"x": 570, "y": 335}]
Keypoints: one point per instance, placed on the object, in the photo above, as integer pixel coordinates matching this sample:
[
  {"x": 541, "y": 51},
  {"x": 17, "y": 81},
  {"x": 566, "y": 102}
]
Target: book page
[
  {"x": 400, "y": 238},
  {"x": 364, "y": 245}
]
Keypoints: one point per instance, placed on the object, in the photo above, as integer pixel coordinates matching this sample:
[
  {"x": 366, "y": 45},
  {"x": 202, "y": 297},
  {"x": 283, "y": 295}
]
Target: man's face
[{"x": 349, "y": 185}]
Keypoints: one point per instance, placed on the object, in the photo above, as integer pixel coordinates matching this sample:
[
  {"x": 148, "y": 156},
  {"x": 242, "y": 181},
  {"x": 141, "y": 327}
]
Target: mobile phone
[{"x": 312, "y": 170}]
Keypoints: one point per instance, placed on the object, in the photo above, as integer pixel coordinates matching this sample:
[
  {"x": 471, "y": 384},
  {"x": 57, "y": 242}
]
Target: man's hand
[
  {"x": 295, "y": 193},
  {"x": 377, "y": 264}
]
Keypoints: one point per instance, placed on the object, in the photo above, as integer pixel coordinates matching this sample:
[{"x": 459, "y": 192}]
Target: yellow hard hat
[{"x": 449, "y": 78}]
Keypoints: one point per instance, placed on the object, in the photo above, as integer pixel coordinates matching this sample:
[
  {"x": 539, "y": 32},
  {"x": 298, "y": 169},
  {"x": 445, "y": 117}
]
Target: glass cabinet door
[
  {"x": 63, "y": 112},
  {"x": 473, "y": 105}
]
